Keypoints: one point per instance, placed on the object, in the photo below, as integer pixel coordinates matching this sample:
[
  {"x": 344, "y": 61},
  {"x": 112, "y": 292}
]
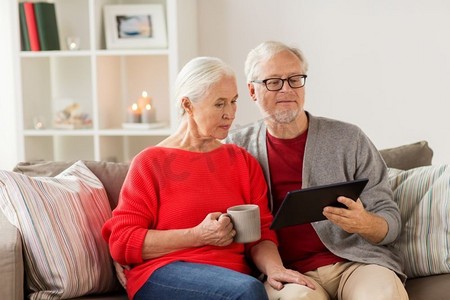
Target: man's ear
[
  {"x": 251, "y": 90},
  {"x": 187, "y": 105}
]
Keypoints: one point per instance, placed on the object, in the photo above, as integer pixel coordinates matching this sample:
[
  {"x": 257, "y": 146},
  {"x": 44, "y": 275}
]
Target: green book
[
  {"x": 24, "y": 37},
  {"x": 47, "y": 25}
]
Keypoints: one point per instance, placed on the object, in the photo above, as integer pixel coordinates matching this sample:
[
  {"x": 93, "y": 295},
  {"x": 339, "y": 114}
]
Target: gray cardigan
[{"x": 337, "y": 151}]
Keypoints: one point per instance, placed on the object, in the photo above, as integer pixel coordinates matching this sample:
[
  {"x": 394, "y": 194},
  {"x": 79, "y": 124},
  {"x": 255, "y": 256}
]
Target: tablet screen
[{"x": 306, "y": 205}]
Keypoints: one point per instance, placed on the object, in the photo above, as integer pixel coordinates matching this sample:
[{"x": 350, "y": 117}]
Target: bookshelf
[{"x": 102, "y": 82}]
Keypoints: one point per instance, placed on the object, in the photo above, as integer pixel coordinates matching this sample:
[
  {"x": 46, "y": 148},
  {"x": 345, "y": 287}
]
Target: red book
[{"x": 31, "y": 24}]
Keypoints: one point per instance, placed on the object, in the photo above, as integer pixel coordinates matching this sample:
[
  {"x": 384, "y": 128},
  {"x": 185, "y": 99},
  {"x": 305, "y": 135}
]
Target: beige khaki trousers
[{"x": 345, "y": 281}]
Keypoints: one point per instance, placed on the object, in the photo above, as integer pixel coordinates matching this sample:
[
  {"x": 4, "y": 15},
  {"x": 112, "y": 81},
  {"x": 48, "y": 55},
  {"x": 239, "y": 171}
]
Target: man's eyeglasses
[{"x": 276, "y": 84}]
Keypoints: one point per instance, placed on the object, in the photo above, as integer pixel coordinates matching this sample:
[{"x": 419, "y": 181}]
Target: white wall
[
  {"x": 383, "y": 65},
  {"x": 8, "y": 128}
]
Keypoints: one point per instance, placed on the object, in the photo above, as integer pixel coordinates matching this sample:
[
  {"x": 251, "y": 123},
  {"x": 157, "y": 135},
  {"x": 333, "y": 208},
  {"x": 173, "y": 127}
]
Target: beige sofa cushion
[
  {"x": 434, "y": 287},
  {"x": 110, "y": 174},
  {"x": 408, "y": 156}
]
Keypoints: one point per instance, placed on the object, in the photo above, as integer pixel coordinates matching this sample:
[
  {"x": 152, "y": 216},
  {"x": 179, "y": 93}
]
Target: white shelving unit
[{"x": 103, "y": 82}]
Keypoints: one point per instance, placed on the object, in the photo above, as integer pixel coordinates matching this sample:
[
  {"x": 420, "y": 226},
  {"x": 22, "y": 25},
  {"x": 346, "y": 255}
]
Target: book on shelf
[
  {"x": 31, "y": 25},
  {"x": 24, "y": 37},
  {"x": 46, "y": 25}
]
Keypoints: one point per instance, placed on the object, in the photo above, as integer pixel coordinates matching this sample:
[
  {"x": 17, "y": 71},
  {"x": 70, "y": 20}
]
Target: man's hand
[
  {"x": 356, "y": 219},
  {"x": 277, "y": 277},
  {"x": 120, "y": 273}
]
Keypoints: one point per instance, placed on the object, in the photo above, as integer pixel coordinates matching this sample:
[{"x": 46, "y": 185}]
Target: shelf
[
  {"x": 141, "y": 52},
  {"x": 102, "y": 83},
  {"x": 58, "y": 132},
  {"x": 104, "y": 132},
  {"x": 55, "y": 53},
  {"x": 67, "y": 53},
  {"x": 135, "y": 132}
]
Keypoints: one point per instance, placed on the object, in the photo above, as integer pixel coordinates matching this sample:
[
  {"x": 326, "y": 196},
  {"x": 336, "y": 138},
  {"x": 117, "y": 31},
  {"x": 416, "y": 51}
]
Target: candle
[
  {"x": 144, "y": 100},
  {"x": 38, "y": 122},
  {"x": 39, "y": 125},
  {"x": 73, "y": 42},
  {"x": 148, "y": 114},
  {"x": 134, "y": 114}
]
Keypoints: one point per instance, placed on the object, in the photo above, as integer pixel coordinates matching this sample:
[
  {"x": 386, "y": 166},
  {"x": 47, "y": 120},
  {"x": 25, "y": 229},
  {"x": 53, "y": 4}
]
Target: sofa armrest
[{"x": 11, "y": 261}]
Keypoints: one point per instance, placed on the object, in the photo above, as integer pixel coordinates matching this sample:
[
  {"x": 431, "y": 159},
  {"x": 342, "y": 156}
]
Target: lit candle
[
  {"x": 73, "y": 42},
  {"x": 134, "y": 114},
  {"x": 148, "y": 114},
  {"x": 144, "y": 100},
  {"x": 38, "y": 122}
]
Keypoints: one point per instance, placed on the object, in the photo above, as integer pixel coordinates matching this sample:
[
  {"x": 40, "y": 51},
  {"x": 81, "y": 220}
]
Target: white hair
[
  {"x": 196, "y": 77},
  {"x": 265, "y": 51}
]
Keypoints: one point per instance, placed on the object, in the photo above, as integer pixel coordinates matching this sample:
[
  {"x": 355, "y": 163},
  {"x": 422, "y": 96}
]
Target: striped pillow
[
  {"x": 423, "y": 196},
  {"x": 60, "y": 221}
]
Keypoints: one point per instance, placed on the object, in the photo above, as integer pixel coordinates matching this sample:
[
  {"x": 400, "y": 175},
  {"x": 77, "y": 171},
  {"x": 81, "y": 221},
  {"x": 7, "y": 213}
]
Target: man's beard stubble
[{"x": 285, "y": 116}]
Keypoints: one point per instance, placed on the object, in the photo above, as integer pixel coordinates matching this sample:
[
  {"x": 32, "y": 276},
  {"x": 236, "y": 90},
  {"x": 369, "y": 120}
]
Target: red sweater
[{"x": 169, "y": 188}]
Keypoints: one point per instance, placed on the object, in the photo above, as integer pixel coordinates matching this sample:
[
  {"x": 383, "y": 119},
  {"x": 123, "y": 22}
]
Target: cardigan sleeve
[
  {"x": 258, "y": 195},
  {"x": 338, "y": 151},
  {"x": 377, "y": 196}
]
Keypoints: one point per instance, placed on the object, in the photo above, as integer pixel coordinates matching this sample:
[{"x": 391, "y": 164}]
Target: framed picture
[{"x": 135, "y": 26}]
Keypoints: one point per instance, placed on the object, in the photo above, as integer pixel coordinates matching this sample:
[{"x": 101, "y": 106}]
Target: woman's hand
[
  {"x": 280, "y": 275},
  {"x": 211, "y": 231},
  {"x": 215, "y": 231}
]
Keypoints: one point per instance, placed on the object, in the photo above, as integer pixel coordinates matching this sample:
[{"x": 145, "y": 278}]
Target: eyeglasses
[{"x": 276, "y": 84}]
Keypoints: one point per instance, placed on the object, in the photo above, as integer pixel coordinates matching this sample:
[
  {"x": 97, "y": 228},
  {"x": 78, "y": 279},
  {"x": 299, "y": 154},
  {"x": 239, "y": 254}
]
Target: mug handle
[
  {"x": 229, "y": 216},
  {"x": 224, "y": 215}
]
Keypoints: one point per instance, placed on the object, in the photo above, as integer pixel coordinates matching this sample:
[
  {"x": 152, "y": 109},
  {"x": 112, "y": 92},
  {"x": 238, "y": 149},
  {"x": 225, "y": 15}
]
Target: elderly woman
[{"x": 167, "y": 226}]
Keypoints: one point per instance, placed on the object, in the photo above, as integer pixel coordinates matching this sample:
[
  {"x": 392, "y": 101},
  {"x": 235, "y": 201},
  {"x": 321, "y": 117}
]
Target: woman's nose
[{"x": 229, "y": 112}]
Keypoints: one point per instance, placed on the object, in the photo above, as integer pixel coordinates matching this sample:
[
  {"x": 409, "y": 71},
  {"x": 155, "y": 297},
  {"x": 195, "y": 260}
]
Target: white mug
[{"x": 246, "y": 221}]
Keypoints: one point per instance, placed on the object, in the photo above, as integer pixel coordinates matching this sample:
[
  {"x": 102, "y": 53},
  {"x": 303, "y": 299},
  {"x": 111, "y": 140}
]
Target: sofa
[{"x": 18, "y": 263}]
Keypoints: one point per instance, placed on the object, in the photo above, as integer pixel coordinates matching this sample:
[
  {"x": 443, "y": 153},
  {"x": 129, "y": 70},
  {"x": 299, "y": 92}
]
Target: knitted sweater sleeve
[{"x": 126, "y": 230}]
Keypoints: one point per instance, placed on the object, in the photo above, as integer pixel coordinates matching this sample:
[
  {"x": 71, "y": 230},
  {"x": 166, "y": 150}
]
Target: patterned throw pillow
[
  {"x": 423, "y": 196},
  {"x": 60, "y": 220}
]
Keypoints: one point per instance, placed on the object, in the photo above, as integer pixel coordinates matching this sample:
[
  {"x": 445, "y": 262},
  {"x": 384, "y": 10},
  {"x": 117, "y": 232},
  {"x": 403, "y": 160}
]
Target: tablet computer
[{"x": 306, "y": 205}]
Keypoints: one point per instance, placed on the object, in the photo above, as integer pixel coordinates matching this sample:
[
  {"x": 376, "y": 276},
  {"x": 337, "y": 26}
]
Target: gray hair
[
  {"x": 265, "y": 51},
  {"x": 197, "y": 76}
]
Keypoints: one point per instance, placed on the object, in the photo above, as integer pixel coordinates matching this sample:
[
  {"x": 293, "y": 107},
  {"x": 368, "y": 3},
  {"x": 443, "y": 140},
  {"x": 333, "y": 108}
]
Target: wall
[
  {"x": 383, "y": 65},
  {"x": 8, "y": 137}
]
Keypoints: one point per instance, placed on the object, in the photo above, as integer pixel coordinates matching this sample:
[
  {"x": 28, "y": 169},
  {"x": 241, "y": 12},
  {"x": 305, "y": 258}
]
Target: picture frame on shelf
[{"x": 136, "y": 26}]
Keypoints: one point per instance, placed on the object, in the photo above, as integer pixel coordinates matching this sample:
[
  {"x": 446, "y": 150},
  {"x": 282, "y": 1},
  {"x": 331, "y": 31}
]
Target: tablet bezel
[{"x": 306, "y": 205}]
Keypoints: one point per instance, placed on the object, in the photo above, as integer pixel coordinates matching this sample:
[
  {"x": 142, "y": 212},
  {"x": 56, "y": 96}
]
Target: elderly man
[{"x": 349, "y": 255}]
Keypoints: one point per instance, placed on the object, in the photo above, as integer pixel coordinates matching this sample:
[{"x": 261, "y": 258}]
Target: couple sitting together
[{"x": 166, "y": 229}]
